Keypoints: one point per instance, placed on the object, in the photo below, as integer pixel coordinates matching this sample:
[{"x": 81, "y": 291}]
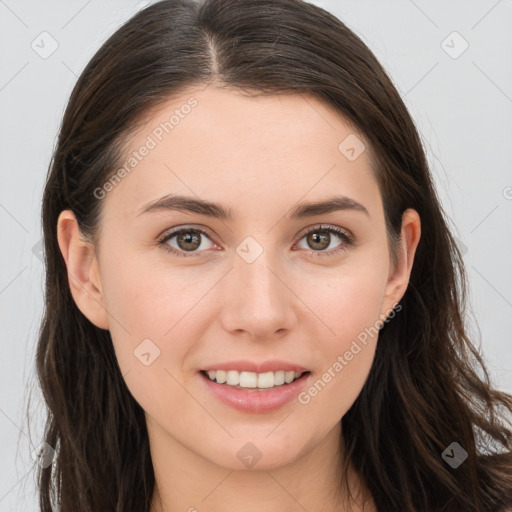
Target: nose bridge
[
  {"x": 260, "y": 301},
  {"x": 254, "y": 268}
]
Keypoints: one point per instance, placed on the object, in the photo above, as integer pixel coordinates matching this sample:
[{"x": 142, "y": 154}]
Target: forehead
[{"x": 244, "y": 151}]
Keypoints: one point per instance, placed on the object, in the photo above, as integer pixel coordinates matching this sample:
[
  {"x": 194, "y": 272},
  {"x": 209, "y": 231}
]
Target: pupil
[
  {"x": 187, "y": 238},
  {"x": 316, "y": 239}
]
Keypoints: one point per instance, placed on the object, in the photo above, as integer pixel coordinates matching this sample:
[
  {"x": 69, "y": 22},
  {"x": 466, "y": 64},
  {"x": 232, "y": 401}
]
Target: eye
[
  {"x": 187, "y": 239},
  {"x": 319, "y": 238}
]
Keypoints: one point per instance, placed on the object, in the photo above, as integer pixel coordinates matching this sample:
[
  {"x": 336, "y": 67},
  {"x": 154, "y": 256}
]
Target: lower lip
[{"x": 256, "y": 401}]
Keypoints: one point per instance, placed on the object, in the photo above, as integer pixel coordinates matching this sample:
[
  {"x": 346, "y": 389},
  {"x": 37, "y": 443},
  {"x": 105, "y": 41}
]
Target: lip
[
  {"x": 256, "y": 401},
  {"x": 273, "y": 365}
]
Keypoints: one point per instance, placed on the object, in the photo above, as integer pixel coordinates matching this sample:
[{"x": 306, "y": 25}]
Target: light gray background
[{"x": 462, "y": 107}]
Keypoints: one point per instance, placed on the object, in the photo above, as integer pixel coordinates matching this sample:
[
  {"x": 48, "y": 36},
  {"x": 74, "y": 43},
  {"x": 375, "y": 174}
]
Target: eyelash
[{"x": 348, "y": 240}]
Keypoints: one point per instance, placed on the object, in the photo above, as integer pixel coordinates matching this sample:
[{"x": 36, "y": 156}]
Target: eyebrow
[{"x": 210, "y": 209}]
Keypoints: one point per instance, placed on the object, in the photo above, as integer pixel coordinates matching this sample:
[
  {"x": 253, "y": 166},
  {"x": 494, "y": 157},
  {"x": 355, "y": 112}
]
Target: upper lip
[{"x": 261, "y": 367}]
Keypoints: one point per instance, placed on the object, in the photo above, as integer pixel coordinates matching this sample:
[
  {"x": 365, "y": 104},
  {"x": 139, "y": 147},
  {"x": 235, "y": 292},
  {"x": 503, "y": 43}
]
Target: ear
[
  {"x": 399, "y": 276},
  {"x": 82, "y": 267}
]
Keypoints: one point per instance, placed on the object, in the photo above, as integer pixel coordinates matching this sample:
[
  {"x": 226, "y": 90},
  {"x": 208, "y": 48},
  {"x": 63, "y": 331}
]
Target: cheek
[
  {"x": 143, "y": 307},
  {"x": 156, "y": 317},
  {"x": 351, "y": 308},
  {"x": 145, "y": 298},
  {"x": 332, "y": 392},
  {"x": 348, "y": 303}
]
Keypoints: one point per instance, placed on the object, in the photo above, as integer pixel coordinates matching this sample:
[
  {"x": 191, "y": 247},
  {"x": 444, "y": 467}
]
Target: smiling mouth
[{"x": 251, "y": 381}]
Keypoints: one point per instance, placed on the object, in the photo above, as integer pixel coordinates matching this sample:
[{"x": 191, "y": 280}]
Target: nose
[{"x": 260, "y": 301}]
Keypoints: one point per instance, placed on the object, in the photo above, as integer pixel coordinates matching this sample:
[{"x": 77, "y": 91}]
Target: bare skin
[{"x": 259, "y": 157}]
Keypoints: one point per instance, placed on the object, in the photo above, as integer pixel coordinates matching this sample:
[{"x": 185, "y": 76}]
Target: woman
[{"x": 253, "y": 298}]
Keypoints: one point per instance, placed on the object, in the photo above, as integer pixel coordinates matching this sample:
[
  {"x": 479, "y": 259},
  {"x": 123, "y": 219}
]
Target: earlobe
[
  {"x": 82, "y": 268},
  {"x": 400, "y": 274}
]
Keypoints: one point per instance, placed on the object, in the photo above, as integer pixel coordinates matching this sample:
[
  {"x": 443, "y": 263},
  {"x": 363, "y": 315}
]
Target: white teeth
[
  {"x": 253, "y": 380},
  {"x": 233, "y": 377},
  {"x": 265, "y": 380},
  {"x": 248, "y": 379},
  {"x": 279, "y": 378}
]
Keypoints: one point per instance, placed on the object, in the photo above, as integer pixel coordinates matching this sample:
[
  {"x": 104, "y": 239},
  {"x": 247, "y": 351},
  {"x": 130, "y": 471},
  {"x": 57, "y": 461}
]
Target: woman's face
[{"x": 251, "y": 290}]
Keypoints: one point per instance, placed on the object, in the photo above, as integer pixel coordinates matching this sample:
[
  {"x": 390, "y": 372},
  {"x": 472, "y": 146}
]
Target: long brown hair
[{"x": 428, "y": 386}]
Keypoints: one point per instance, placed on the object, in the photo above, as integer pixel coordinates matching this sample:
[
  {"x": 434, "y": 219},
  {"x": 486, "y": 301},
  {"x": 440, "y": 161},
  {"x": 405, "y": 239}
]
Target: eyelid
[
  {"x": 324, "y": 227},
  {"x": 192, "y": 227}
]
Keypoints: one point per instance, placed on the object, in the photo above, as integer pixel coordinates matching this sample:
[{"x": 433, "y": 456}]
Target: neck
[{"x": 186, "y": 481}]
